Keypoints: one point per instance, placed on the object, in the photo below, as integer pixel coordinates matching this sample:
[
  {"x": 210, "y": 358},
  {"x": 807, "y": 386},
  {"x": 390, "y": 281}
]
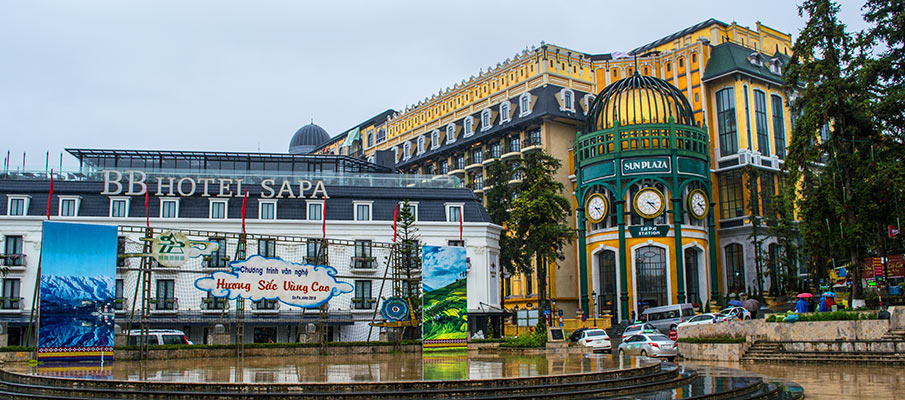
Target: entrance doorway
[
  {"x": 692, "y": 280},
  {"x": 650, "y": 270},
  {"x": 606, "y": 282}
]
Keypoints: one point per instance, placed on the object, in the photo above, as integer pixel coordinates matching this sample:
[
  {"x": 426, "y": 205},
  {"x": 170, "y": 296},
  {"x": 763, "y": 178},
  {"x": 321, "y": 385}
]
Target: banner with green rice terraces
[{"x": 445, "y": 318}]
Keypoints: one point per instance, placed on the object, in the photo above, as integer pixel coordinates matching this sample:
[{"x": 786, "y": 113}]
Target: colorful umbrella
[
  {"x": 735, "y": 303},
  {"x": 829, "y": 294},
  {"x": 804, "y": 295}
]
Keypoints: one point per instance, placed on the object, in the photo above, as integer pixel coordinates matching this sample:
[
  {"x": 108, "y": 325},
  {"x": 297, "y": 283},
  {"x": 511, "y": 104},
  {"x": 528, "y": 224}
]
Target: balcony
[
  {"x": 364, "y": 264},
  {"x": 216, "y": 304},
  {"x": 215, "y": 262},
  {"x": 11, "y": 304},
  {"x": 163, "y": 305},
  {"x": 119, "y": 304},
  {"x": 14, "y": 260},
  {"x": 265, "y": 307},
  {"x": 641, "y": 140},
  {"x": 364, "y": 303}
]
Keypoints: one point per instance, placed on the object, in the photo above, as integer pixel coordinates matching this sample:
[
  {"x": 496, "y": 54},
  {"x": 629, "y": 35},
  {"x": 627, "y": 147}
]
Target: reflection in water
[
  {"x": 829, "y": 381},
  {"x": 359, "y": 367}
]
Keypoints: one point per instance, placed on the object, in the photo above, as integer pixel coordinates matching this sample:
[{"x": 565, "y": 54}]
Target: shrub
[
  {"x": 16, "y": 348},
  {"x": 826, "y": 316},
  {"x": 536, "y": 339}
]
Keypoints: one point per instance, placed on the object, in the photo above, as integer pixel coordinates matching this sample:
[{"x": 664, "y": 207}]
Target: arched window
[
  {"x": 606, "y": 282},
  {"x": 735, "y": 268},
  {"x": 692, "y": 284},
  {"x": 650, "y": 269},
  {"x": 450, "y": 133},
  {"x": 524, "y": 102},
  {"x": 370, "y": 139},
  {"x": 468, "y": 126}
]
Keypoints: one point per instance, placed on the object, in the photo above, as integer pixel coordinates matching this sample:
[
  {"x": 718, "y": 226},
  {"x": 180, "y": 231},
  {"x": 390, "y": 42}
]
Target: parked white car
[
  {"x": 736, "y": 313},
  {"x": 597, "y": 339},
  {"x": 703, "y": 319},
  {"x": 635, "y": 329}
]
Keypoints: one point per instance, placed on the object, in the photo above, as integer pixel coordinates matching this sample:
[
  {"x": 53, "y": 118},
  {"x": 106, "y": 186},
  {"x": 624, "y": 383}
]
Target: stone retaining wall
[
  {"x": 884, "y": 346},
  {"x": 758, "y": 329},
  {"x": 713, "y": 351}
]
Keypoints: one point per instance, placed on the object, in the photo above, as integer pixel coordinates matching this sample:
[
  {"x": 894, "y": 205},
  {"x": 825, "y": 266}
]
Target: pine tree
[
  {"x": 830, "y": 101},
  {"x": 409, "y": 261},
  {"x": 538, "y": 217}
]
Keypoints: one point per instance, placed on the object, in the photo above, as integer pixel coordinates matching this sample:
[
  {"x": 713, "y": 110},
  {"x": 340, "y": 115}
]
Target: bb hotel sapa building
[{"x": 653, "y": 144}]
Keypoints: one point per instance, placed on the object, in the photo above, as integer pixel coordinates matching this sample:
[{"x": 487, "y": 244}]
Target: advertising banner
[
  {"x": 258, "y": 278},
  {"x": 445, "y": 309},
  {"x": 77, "y": 292}
]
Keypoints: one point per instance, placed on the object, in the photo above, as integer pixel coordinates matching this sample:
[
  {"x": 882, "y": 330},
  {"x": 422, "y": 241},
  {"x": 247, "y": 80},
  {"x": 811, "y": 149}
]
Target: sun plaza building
[
  {"x": 677, "y": 121},
  {"x": 289, "y": 198}
]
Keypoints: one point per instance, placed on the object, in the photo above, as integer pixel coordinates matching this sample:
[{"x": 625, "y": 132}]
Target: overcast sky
[{"x": 245, "y": 75}]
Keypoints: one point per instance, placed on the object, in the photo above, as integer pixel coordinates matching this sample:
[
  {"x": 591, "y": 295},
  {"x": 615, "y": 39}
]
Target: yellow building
[{"x": 728, "y": 111}]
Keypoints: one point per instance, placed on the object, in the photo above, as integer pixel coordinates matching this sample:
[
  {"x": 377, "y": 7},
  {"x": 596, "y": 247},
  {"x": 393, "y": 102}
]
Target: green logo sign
[
  {"x": 173, "y": 249},
  {"x": 639, "y": 166},
  {"x": 648, "y": 231}
]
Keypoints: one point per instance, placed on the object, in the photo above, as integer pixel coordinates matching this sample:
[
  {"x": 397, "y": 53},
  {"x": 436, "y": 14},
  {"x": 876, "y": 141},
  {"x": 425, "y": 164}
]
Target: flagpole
[{"x": 35, "y": 318}]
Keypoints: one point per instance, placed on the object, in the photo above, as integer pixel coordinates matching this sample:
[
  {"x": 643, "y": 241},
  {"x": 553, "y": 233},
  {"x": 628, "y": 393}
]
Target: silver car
[{"x": 649, "y": 345}]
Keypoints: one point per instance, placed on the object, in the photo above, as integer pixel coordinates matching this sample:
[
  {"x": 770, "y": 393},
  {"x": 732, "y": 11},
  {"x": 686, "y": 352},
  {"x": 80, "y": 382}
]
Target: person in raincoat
[
  {"x": 801, "y": 306},
  {"x": 823, "y": 307}
]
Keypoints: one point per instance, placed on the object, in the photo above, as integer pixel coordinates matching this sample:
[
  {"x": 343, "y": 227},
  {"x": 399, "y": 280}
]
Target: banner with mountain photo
[
  {"x": 445, "y": 318},
  {"x": 77, "y": 292}
]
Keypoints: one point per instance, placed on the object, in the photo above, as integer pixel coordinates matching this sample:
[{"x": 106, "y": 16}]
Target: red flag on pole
[
  {"x": 324, "y": 217},
  {"x": 147, "y": 213},
  {"x": 461, "y": 217},
  {"x": 50, "y": 194},
  {"x": 244, "y": 204},
  {"x": 395, "y": 218}
]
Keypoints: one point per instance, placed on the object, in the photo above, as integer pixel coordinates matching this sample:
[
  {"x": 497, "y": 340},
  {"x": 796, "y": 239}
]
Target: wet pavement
[
  {"x": 829, "y": 381},
  {"x": 347, "y": 368}
]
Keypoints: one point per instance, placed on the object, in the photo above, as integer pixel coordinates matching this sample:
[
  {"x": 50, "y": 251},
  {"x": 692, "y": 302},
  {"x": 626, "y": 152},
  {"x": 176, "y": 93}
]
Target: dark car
[{"x": 577, "y": 334}]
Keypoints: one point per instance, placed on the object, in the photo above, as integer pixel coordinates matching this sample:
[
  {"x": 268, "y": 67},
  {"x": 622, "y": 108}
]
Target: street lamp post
[{"x": 594, "y": 306}]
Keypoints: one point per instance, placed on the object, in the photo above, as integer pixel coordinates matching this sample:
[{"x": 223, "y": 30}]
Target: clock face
[
  {"x": 697, "y": 203},
  {"x": 649, "y": 203},
  {"x": 597, "y": 208}
]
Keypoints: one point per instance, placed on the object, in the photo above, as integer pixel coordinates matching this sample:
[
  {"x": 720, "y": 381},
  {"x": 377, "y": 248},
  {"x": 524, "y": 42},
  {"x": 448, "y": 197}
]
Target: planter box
[{"x": 798, "y": 331}]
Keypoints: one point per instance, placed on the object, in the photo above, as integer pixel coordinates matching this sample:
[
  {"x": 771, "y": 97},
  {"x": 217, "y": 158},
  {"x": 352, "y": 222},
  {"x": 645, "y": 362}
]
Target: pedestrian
[
  {"x": 823, "y": 307},
  {"x": 801, "y": 306},
  {"x": 633, "y": 316}
]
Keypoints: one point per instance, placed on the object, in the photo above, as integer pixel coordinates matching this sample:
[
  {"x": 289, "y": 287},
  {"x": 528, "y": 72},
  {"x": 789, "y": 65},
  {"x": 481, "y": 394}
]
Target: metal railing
[
  {"x": 364, "y": 262},
  {"x": 214, "y": 303},
  {"x": 364, "y": 303},
  {"x": 11, "y": 303},
  {"x": 14, "y": 260},
  {"x": 687, "y": 140},
  {"x": 165, "y": 303}
]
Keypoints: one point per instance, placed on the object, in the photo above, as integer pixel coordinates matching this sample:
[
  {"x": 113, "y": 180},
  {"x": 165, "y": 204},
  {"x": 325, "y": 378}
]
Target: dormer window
[
  {"x": 568, "y": 100},
  {"x": 588, "y": 99},
  {"x": 450, "y": 133},
  {"x": 407, "y": 150},
  {"x": 396, "y": 153},
  {"x": 435, "y": 139},
  {"x": 524, "y": 103},
  {"x": 486, "y": 122},
  {"x": 755, "y": 59},
  {"x": 468, "y": 126},
  {"x": 505, "y": 111},
  {"x": 776, "y": 66},
  {"x": 421, "y": 142}
]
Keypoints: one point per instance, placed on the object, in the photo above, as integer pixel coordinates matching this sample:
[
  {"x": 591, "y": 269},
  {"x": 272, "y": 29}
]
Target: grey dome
[{"x": 307, "y": 138}]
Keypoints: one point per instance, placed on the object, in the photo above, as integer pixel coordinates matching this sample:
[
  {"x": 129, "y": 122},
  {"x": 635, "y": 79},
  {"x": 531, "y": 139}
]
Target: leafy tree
[
  {"x": 884, "y": 75},
  {"x": 758, "y": 235},
  {"x": 833, "y": 129},
  {"x": 782, "y": 226},
  {"x": 539, "y": 215}
]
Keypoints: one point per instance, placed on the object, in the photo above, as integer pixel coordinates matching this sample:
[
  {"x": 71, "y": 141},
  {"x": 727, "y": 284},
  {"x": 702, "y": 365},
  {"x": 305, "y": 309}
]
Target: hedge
[
  {"x": 826, "y": 316},
  {"x": 713, "y": 339}
]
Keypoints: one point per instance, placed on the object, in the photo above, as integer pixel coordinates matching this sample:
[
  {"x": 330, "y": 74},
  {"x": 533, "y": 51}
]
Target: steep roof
[
  {"x": 730, "y": 57},
  {"x": 679, "y": 34}
]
